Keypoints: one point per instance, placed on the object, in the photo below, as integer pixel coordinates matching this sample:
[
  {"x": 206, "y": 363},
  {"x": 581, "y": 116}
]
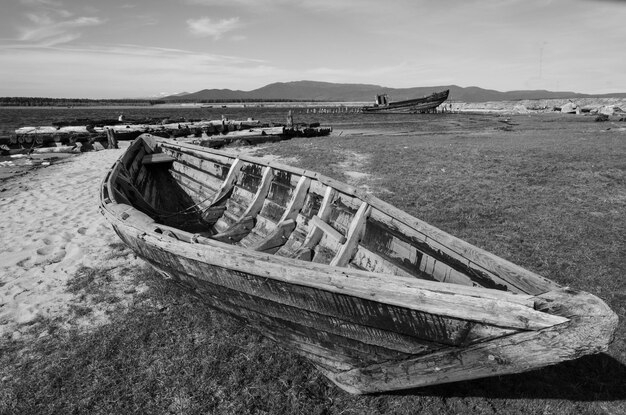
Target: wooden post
[{"x": 111, "y": 138}]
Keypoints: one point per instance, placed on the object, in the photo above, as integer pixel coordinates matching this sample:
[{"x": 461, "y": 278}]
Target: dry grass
[{"x": 548, "y": 193}]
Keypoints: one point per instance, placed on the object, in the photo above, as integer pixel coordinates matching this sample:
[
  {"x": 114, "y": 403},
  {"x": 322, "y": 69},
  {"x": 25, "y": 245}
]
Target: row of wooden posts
[{"x": 333, "y": 110}]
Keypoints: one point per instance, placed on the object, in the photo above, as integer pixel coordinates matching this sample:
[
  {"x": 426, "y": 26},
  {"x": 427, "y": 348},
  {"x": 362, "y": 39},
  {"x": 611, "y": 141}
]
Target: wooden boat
[
  {"x": 376, "y": 299},
  {"x": 424, "y": 104}
]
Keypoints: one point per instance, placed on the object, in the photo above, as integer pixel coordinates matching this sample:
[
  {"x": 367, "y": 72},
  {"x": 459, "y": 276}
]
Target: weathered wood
[
  {"x": 420, "y": 257},
  {"x": 136, "y": 165},
  {"x": 241, "y": 228},
  {"x": 112, "y": 140},
  {"x": 423, "y": 327},
  {"x": 278, "y": 237},
  {"x": 157, "y": 158},
  {"x": 261, "y": 193},
  {"x": 398, "y": 291},
  {"x": 229, "y": 182},
  {"x": 297, "y": 199},
  {"x": 590, "y": 330},
  {"x": 516, "y": 277},
  {"x": 131, "y": 192},
  {"x": 203, "y": 179},
  {"x": 348, "y": 249},
  {"x": 315, "y": 234},
  {"x": 367, "y": 260},
  {"x": 211, "y": 168},
  {"x": 362, "y": 325},
  {"x": 212, "y": 213},
  {"x": 200, "y": 194},
  {"x": 327, "y": 229}
]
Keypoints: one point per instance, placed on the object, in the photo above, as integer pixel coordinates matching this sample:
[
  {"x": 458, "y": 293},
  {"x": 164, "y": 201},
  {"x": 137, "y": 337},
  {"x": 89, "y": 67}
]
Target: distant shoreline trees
[
  {"x": 71, "y": 102},
  {"x": 84, "y": 102}
]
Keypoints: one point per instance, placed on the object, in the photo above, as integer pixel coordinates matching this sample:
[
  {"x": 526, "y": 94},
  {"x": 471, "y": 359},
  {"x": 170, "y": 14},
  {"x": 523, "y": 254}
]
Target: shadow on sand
[{"x": 590, "y": 378}]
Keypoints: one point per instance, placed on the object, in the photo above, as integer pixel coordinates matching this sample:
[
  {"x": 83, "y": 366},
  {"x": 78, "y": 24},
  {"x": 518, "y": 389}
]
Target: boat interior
[{"x": 195, "y": 195}]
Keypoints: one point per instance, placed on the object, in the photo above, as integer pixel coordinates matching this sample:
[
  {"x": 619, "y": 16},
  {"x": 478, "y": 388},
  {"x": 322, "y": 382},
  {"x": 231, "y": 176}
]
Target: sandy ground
[{"x": 51, "y": 227}]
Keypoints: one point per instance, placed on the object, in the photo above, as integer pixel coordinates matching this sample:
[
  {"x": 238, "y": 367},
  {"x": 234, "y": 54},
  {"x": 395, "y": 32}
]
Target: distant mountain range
[{"x": 326, "y": 91}]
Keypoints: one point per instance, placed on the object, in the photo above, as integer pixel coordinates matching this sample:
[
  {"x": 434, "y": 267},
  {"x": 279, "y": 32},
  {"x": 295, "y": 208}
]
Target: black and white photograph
[{"x": 325, "y": 207}]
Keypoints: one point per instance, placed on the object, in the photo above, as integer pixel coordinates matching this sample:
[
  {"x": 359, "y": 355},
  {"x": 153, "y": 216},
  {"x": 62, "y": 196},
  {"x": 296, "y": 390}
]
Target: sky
[{"x": 150, "y": 48}]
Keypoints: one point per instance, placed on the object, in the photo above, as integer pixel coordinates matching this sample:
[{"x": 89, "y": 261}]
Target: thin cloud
[
  {"x": 46, "y": 31},
  {"x": 50, "y": 3},
  {"x": 96, "y": 71},
  {"x": 205, "y": 27},
  {"x": 317, "y": 6}
]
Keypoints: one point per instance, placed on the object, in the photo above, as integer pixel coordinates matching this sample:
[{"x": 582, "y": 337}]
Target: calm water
[{"x": 13, "y": 118}]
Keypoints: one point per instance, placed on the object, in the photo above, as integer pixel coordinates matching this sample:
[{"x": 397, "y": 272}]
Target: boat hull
[
  {"x": 411, "y": 106},
  {"x": 366, "y": 330}
]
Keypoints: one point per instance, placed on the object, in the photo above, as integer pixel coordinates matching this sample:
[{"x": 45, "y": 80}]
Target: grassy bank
[{"x": 548, "y": 193}]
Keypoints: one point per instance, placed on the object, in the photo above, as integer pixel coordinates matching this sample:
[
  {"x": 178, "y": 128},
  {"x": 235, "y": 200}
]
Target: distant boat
[
  {"x": 415, "y": 105},
  {"x": 376, "y": 299}
]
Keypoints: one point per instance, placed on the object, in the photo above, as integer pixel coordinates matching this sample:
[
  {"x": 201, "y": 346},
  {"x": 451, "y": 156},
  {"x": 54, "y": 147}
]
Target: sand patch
[
  {"x": 352, "y": 168},
  {"x": 52, "y": 229}
]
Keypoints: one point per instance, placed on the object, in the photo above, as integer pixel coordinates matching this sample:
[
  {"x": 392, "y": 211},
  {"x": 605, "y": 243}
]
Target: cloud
[
  {"x": 205, "y": 27},
  {"x": 50, "y": 3},
  {"x": 271, "y": 6},
  {"x": 46, "y": 31}
]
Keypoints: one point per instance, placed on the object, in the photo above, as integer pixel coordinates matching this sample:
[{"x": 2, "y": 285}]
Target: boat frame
[{"x": 367, "y": 331}]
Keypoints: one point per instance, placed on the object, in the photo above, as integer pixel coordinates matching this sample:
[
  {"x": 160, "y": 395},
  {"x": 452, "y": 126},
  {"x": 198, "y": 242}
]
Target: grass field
[{"x": 546, "y": 192}]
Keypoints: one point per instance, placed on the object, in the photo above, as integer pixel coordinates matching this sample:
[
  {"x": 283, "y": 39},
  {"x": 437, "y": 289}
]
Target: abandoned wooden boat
[
  {"x": 423, "y": 104},
  {"x": 376, "y": 299}
]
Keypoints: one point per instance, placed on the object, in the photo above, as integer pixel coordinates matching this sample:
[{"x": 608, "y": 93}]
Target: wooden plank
[
  {"x": 315, "y": 233},
  {"x": 297, "y": 199},
  {"x": 212, "y": 213},
  {"x": 237, "y": 231},
  {"x": 149, "y": 142},
  {"x": 214, "y": 168},
  {"x": 157, "y": 158},
  {"x": 203, "y": 153},
  {"x": 426, "y": 255},
  {"x": 272, "y": 210},
  {"x": 136, "y": 164},
  {"x": 202, "y": 178},
  {"x": 278, "y": 237},
  {"x": 367, "y": 260},
  {"x": 589, "y": 332},
  {"x": 131, "y": 193},
  {"x": 262, "y": 228},
  {"x": 261, "y": 193},
  {"x": 414, "y": 256},
  {"x": 229, "y": 182},
  {"x": 342, "y": 213},
  {"x": 424, "y": 328},
  {"x": 287, "y": 222},
  {"x": 327, "y": 229},
  {"x": 246, "y": 223},
  {"x": 444, "y": 300},
  {"x": 226, "y": 221},
  {"x": 357, "y": 227},
  {"x": 200, "y": 194},
  {"x": 514, "y": 277}
]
